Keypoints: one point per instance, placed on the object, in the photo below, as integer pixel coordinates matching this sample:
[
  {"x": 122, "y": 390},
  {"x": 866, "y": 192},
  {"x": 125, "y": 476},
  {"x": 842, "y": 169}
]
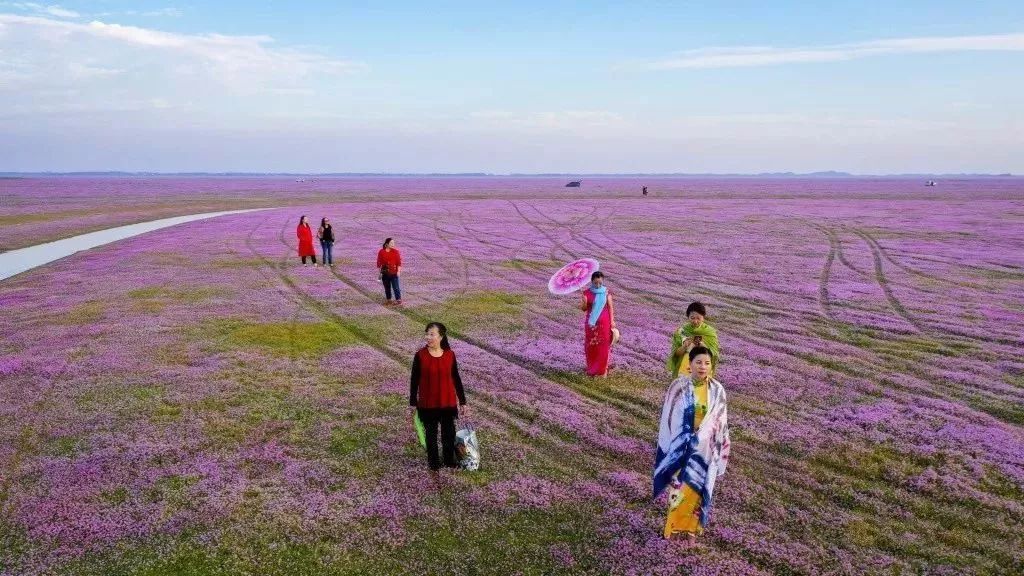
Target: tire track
[
  {"x": 624, "y": 402},
  {"x": 554, "y": 431},
  {"x": 826, "y": 271},
  {"x": 873, "y": 242},
  {"x": 627, "y": 405}
]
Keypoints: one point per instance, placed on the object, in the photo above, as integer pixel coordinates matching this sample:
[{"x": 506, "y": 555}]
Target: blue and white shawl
[
  {"x": 698, "y": 456},
  {"x": 600, "y": 299}
]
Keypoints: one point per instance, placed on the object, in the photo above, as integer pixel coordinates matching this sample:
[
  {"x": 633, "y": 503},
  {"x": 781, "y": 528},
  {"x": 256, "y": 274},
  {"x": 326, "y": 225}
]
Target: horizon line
[{"x": 779, "y": 174}]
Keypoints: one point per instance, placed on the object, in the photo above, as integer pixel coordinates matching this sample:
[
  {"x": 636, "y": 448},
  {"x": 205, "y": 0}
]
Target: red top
[
  {"x": 305, "y": 235},
  {"x": 435, "y": 382},
  {"x": 389, "y": 260}
]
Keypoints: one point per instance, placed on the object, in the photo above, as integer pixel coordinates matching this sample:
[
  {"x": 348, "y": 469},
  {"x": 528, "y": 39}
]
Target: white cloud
[
  {"x": 49, "y": 10},
  {"x": 740, "y": 56},
  {"x": 48, "y": 65},
  {"x": 61, "y": 12}
]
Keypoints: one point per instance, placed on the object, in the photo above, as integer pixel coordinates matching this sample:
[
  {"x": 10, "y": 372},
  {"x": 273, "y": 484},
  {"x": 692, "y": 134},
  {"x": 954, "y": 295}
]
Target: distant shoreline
[{"x": 774, "y": 175}]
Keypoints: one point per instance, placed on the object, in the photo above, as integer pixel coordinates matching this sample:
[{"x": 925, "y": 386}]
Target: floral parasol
[{"x": 573, "y": 276}]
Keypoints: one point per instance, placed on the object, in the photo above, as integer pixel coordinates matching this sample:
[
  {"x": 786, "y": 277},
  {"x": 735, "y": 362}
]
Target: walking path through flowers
[
  {"x": 24, "y": 259},
  {"x": 194, "y": 400}
]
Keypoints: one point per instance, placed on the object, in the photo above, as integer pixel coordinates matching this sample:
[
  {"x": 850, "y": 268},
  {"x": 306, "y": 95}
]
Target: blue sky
[{"x": 531, "y": 87}]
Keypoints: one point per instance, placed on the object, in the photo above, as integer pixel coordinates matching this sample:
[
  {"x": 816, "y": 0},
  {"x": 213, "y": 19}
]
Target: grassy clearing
[
  {"x": 85, "y": 313},
  {"x": 288, "y": 339},
  {"x": 154, "y": 299},
  {"x": 491, "y": 309}
]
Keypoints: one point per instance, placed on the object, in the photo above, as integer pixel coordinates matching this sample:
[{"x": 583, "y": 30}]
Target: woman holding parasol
[{"x": 599, "y": 332}]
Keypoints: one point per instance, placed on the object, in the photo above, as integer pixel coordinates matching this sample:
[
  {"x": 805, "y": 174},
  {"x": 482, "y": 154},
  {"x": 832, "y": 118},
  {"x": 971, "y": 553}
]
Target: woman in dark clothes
[
  {"x": 435, "y": 392},
  {"x": 326, "y": 235}
]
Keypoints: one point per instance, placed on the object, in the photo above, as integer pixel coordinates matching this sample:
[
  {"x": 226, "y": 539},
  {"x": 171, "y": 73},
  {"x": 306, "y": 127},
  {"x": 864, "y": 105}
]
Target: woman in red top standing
[
  {"x": 390, "y": 263},
  {"x": 435, "y": 391},
  {"x": 305, "y": 234}
]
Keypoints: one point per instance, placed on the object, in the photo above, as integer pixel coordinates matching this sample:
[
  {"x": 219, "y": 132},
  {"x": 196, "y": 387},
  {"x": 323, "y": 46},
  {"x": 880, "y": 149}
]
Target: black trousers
[
  {"x": 313, "y": 257},
  {"x": 432, "y": 418}
]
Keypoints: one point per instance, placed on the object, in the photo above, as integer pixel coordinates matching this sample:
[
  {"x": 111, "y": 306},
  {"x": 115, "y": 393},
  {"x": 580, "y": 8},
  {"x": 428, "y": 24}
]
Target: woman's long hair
[
  {"x": 386, "y": 242},
  {"x": 301, "y": 218},
  {"x": 443, "y": 331},
  {"x": 323, "y": 222}
]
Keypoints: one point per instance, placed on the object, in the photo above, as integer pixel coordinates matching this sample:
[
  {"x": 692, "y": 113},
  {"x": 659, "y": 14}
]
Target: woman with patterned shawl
[
  {"x": 599, "y": 327},
  {"x": 693, "y": 446},
  {"x": 694, "y": 333}
]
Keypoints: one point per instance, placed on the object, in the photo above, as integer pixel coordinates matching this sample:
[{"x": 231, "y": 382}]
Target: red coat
[{"x": 305, "y": 234}]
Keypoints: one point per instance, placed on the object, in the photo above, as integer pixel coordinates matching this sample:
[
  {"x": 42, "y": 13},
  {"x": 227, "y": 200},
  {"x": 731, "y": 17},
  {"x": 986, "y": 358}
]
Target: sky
[{"x": 574, "y": 87}]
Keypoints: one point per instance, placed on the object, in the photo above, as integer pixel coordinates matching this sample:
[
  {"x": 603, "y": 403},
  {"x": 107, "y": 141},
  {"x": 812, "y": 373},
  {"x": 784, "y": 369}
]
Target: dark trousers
[
  {"x": 313, "y": 257},
  {"x": 445, "y": 417},
  {"x": 391, "y": 285},
  {"x": 327, "y": 248}
]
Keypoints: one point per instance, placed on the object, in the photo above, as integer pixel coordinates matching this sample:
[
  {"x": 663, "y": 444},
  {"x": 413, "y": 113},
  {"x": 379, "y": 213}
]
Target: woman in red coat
[
  {"x": 435, "y": 392},
  {"x": 305, "y": 234}
]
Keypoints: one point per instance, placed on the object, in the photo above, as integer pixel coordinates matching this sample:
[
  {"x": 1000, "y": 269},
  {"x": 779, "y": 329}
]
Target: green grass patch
[
  {"x": 85, "y": 313},
  {"x": 530, "y": 265},
  {"x": 15, "y": 219},
  {"x": 168, "y": 259},
  {"x": 173, "y": 354},
  {"x": 490, "y": 309},
  {"x": 349, "y": 440},
  {"x": 236, "y": 263},
  {"x": 995, "y": 482},
  {"x": 879, "y": 463},
  {"x": 1007, "y": 411},
  {"x": 280, "y": 338},
  {"x": 64, "y": 446},
  {"x": 154, "y": 299}
]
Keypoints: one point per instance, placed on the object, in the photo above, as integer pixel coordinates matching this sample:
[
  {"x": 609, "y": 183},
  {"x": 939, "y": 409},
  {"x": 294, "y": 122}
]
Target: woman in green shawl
[{"x": 696, "y": 332}]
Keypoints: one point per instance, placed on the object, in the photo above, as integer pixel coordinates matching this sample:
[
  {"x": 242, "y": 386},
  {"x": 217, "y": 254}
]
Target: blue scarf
[{"x": 600, "y": 299}]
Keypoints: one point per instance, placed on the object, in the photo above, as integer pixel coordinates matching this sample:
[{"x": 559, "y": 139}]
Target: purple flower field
[{"x": 193, "y": 400}]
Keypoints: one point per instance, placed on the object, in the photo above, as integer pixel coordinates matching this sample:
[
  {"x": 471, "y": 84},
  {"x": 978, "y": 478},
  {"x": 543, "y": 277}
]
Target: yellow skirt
[{"x": 683, "y": 511}]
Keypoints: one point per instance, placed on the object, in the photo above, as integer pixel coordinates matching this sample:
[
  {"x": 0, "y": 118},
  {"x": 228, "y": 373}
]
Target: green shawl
[{"x": 709, "y": 339}]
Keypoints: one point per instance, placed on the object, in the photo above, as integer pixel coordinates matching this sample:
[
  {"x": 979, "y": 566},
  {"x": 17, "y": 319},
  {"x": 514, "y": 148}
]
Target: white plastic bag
[{"x": 467, "y": 448}]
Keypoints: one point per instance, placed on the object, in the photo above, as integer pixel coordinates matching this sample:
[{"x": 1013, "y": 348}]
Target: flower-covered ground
[{"x": 195, "y": 401}]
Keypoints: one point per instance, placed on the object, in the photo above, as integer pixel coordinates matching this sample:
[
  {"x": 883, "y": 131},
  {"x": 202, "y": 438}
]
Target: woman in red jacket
[
  {"x": 435, "y": 391},
  {"x": 305, "y": 234},
  {"x": 390, "y": 263}
]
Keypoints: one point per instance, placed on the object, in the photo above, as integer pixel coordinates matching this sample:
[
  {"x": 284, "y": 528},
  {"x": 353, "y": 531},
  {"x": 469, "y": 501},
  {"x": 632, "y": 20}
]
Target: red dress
[
  {"x": 305, "y": 234},
  {"x": 597, "y": 341}
]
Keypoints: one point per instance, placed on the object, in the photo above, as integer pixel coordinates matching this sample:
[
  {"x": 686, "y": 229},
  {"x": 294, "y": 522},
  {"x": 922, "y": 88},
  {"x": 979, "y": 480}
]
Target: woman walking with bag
[{"x": 436, "y": 394}]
